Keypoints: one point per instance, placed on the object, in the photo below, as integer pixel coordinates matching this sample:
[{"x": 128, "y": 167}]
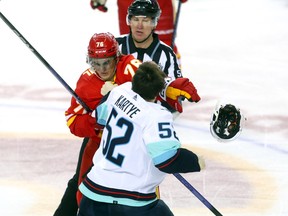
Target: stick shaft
[
  {"x": 197, "y": 194},
  {"x": 32, "y": 49}
]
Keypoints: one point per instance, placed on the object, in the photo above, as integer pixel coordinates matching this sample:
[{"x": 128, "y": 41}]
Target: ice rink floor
[{"x": 234, "y": 52}]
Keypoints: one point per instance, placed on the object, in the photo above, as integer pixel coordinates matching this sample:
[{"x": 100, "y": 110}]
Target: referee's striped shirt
[{"x": 158, "y": 52}]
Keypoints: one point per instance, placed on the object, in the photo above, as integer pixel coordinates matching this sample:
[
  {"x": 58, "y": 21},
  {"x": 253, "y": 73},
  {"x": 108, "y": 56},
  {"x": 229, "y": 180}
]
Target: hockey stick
[
  {"x": 197, "y": 194},
  {"x": 32, "y": 49},
  {"x": 176, "y": 24}
]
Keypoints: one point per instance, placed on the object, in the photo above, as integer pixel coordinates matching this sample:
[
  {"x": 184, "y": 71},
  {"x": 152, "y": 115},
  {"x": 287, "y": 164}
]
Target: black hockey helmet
[
  {"x": 226, "y": 123},
  {"x": 149, "y": 8}
]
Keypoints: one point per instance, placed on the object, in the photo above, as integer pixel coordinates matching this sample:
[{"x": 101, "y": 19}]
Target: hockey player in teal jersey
[{"x": 138, "y": 148}]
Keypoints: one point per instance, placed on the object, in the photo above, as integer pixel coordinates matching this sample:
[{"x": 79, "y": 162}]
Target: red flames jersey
[{"x": 80, "y": 122}]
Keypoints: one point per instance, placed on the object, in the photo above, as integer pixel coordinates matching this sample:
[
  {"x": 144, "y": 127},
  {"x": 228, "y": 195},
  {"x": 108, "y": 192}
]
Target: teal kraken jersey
[{"x": 138, "y": 135}]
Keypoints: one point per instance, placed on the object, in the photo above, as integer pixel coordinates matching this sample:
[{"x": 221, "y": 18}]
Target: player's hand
[
  {"x": 183, "y": 1},
  {"x": 178, "y": 89},
  {"x": 107, "y": 87},
  {"x": 201, "y": 162},
  {"x": 99, "y": 4}
]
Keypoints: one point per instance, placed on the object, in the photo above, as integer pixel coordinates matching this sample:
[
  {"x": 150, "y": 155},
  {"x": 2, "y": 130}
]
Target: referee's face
[{"x": 141, "y": 28}]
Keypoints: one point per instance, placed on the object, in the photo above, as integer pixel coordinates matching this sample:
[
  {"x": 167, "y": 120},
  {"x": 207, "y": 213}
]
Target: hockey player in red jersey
[{"x": 108, "y": 69}]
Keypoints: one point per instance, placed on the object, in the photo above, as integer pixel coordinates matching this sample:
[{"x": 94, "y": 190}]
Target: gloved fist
[
  {"x": 179, "y": 89},
  {"x": 99, "y": 4},
  {"x": 183, "y": 1}
]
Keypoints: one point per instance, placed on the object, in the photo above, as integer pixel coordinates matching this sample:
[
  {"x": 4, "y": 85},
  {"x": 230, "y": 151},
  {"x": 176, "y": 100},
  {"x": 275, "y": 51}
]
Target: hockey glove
[
  {"x": 183, "y": 1},
  {"x": 177, "y": 90},
  {"x": 99, "y": 4}
]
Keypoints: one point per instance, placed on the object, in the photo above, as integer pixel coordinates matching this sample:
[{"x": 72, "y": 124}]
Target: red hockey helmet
[{"x": 103, "y": 45}]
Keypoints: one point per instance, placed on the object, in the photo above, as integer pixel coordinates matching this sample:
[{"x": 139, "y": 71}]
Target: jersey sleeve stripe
[{"x": 163, "y": 150}]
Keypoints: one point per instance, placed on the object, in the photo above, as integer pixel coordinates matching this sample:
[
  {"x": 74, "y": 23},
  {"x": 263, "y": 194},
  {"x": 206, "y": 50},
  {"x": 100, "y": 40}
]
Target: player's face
[
  {"x": 104, "y": 67},
  {"x": 141, "y": 28}
]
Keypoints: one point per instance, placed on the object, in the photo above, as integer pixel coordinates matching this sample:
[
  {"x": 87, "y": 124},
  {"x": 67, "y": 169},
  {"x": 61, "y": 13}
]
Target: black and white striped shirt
[{"x": 158, "y": 52}]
